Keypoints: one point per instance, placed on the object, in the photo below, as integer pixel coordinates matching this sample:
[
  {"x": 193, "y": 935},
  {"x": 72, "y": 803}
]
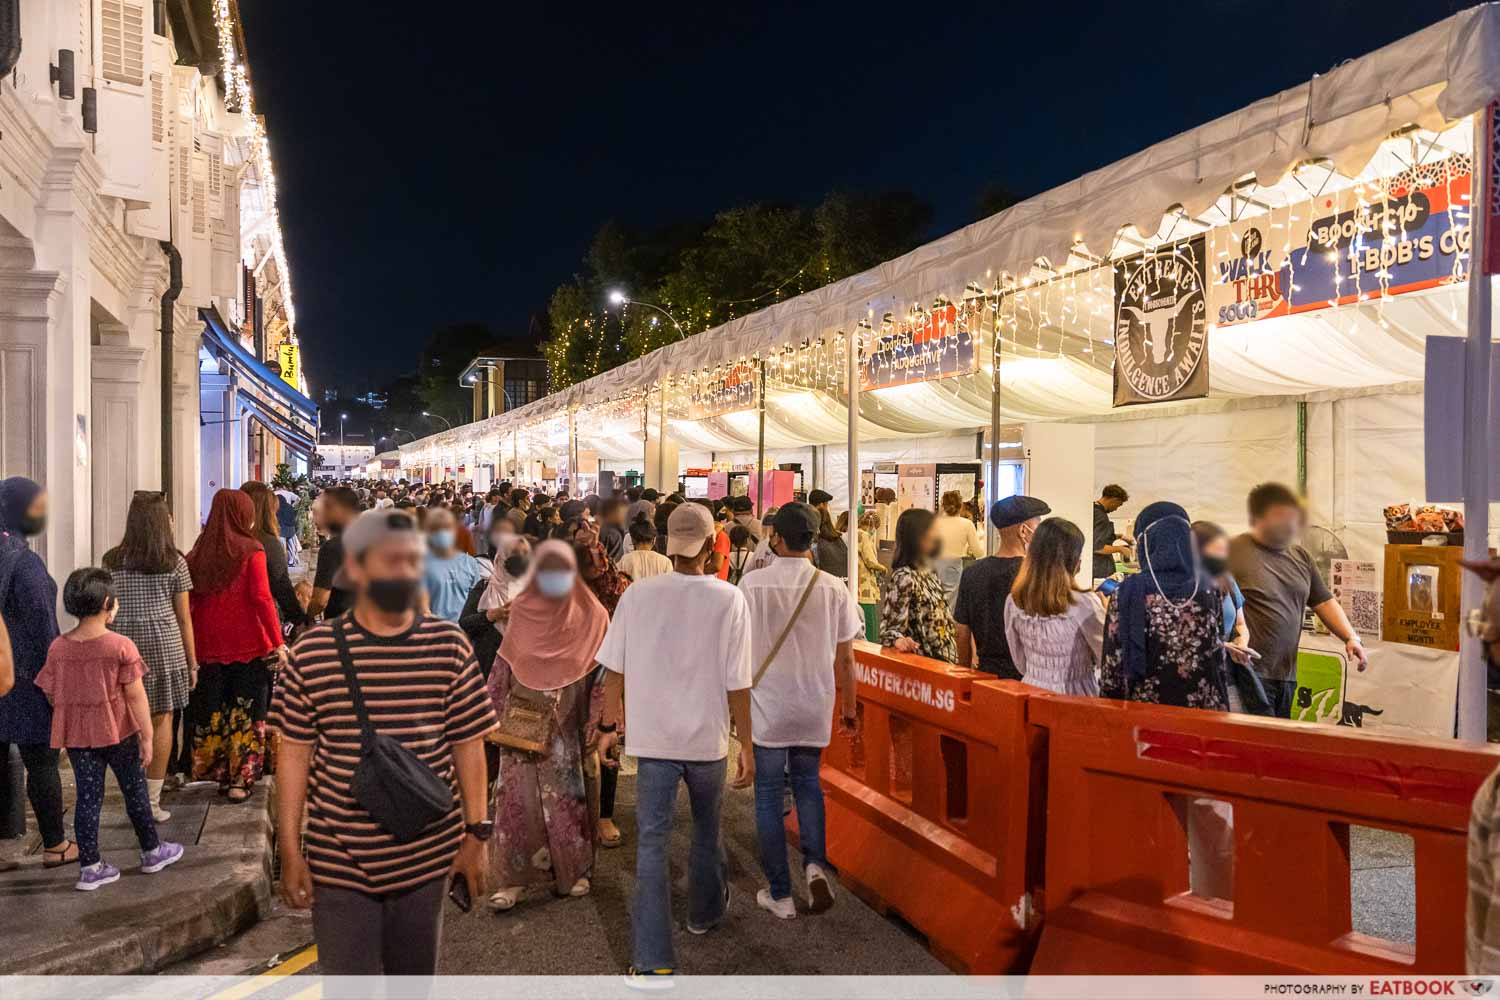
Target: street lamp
[
  {"x": 437, "y": 416},
  {"x": 343, "y": 463},
  {"x": 617, "y": 297},
  {"x": 396, "y": 430}
]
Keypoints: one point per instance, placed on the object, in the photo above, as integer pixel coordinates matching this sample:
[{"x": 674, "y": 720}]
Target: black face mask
[
  {"x": 32, "y": 525},
  {"x": 516, "y": 565},
  {"x": 1215, "y": 565},
  {"x": 395, "y": 595}
]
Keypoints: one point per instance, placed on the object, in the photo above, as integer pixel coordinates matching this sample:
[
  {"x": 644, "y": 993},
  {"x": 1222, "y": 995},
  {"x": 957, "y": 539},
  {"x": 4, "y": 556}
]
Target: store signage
[
  {"x": 726, "y": 389},
  {"x": 1388, "y": 237},
  {"x": 939, "y": 345},
  {"x": 1161, "y": 325},
  {"x": 289, "y": 358}
]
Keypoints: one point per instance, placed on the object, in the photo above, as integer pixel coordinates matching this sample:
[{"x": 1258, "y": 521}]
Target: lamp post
[
  {"x": 619, "y": 298},
  {"x": 343, "y": 459},
  {"x": 438, "y": 416}
]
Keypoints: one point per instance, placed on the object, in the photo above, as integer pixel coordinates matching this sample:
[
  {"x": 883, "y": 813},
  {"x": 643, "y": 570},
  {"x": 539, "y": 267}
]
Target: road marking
[
  {"x": 313, "y": 992},
  {"x": 299, "y": 961}
]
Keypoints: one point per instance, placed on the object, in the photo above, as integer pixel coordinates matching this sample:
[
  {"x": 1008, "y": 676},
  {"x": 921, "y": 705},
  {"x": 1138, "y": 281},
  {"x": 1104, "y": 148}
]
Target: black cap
[
  {"x": 819, "y": 496},
  {"x": 796, "y": 523},
  {"x": 1014, "y": 510}
]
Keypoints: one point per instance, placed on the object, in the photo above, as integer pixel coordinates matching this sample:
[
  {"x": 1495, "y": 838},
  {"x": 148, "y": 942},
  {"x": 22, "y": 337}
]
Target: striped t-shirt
[{"x": 422, "y": 688}]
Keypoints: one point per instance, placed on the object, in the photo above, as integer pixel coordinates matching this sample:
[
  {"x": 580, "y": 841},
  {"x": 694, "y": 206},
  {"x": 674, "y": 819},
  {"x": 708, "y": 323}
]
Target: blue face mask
[
  {"x": 555, "y": 583},
  {"x": 442, "y": 539}
]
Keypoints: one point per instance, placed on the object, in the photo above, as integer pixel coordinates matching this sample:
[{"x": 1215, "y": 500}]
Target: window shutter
[
  {"x": 158, "y": 109},
  {"x": 184, "y": 175},
  {"x": 123, "y": 32},
  {"x": 200, "y": 194}
]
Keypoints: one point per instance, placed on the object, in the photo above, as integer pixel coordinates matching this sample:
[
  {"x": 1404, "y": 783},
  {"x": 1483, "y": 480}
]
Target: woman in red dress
[{"x": 238, "y": 640}]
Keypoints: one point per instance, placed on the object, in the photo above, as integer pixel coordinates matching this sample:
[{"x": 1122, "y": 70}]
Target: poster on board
[
  {"x": 915, "y": 487},
  {"x": 1161, "y": 328}
]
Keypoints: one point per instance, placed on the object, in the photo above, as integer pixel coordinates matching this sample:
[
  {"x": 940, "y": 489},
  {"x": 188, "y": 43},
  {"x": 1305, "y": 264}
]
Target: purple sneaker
[
  {"x": 91, "y": 877},
  {"x": 165, "y": 853}
]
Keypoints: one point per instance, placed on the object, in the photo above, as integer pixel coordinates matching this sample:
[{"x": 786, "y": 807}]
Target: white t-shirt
[
  {"x": 643, "y": 564},
  {"x": 792, "y": 706},
  {"x": 683, "y": 643}
]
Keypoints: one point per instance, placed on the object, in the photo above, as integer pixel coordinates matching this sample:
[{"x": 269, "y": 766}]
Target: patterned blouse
[
  {"x": 1185, "y": 649},
  {"x": 914, "y": 606}
]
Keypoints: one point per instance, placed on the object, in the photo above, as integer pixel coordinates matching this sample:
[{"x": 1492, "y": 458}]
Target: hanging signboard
[
  {"x": 1384, "y": 237},
  {"x": 940, "y": 345},
  {"x": 289, "y": 357},
  {"x": 726, "y": 389},
  {"x": 1161, "y": 329}
]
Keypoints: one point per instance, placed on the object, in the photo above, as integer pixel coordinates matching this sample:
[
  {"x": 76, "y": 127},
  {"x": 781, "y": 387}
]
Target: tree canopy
[{"x": 705, "y": 274}]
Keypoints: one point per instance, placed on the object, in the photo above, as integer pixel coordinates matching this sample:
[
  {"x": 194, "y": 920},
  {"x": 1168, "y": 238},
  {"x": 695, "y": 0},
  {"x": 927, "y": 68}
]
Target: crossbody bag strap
[
  {"x": 790, "y": 622},
  {"x": 340, "y": 639}
]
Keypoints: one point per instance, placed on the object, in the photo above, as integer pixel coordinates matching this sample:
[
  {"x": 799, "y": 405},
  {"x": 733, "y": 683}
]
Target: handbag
[
  {"x": 401, "y": 793},
  {"x": 527, "y": 722},
  {"x": 787, "y": 630}
]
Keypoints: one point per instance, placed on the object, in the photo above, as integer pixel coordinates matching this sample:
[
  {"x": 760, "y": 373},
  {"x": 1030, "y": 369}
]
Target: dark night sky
[{"x": 447, "y": 162}]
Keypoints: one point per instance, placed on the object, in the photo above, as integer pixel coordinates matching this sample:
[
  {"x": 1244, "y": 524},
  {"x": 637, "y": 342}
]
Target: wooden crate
[{"x": 1422, "y": 584}]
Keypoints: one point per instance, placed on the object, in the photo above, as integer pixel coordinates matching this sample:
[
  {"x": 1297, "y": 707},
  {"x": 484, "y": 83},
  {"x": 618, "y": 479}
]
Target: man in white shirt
[
  {"x": 677, "y": 652},
  {"x": 816, "y": 620}
]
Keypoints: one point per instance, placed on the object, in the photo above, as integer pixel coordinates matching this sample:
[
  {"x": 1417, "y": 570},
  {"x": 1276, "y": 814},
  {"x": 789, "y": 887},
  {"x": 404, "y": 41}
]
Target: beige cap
[{"x": 688, "y": 528}]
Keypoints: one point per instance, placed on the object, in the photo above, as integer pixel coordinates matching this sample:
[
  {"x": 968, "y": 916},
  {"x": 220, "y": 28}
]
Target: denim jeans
[
  {"x": 655, "y": 803},
  {"x": 772, "y": 767},
  {"x": 1281, "y": 694}
]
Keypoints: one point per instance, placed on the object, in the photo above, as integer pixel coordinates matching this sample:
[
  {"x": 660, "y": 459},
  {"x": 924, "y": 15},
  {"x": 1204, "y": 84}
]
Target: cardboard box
[{"x": 1422, "y": 585}]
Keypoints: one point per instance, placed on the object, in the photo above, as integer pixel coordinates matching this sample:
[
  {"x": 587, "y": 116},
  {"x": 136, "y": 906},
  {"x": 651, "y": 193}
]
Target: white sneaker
[
  {"x": 784, "y": 909},
  {"x": 819, "y": 889},
  {"x": 159, "y": 814}
]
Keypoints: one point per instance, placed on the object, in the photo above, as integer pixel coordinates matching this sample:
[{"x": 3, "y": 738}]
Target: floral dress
[
  {"x": 544, "y": 806},
  {"x": 916, "y": 607},
  {"x": 1184, "y": 645}
]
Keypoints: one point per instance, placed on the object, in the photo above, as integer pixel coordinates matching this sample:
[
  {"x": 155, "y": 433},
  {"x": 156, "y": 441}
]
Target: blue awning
[
  {"x": 284, "y": 431},
  {"x": 224, "y": 344}
]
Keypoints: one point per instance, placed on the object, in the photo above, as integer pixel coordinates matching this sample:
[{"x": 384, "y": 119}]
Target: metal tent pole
[{"x": 851, "y": 373}]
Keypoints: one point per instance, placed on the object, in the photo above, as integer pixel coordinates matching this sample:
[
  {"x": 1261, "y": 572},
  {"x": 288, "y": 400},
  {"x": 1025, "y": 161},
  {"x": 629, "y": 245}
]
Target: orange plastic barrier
[
  {"x": 1125, "y": 782},
  {"x": 928, "y": 810}
]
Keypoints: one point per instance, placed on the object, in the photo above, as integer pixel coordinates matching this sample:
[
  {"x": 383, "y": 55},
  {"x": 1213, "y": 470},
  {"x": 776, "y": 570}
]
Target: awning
[
  {"x": 225, "y": 345},
  {"x": 290, "y": 416}
]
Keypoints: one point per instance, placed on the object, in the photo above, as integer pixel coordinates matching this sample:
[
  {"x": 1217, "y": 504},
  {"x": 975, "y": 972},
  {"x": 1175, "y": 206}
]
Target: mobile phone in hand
[{"x": 458, "y": 891}]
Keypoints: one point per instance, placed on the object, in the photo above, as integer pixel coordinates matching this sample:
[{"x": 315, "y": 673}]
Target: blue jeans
[
  {"x": 1281, "y": 694},
  {"x": 772, "y": 766},
  {"x": 655, "y": 803}
]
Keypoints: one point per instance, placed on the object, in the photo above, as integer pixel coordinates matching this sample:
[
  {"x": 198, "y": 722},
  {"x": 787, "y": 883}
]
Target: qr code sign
[{"x": 1363, "y": 608}]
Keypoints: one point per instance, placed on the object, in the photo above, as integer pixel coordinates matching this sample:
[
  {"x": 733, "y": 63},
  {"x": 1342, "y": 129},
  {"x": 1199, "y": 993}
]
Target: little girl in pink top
[{"x": 101, "y": 716}]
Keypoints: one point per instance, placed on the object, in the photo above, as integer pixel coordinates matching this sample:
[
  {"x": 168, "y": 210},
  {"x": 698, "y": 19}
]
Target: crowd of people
[{"x": 514, "y": 642}]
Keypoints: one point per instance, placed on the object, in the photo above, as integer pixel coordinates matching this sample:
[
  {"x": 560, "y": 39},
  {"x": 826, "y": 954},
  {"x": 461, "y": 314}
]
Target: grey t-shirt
[{"x": 1278, "y": 584}]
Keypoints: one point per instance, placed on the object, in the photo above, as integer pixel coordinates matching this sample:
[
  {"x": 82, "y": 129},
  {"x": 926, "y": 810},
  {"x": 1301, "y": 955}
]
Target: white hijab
[{"x": 503, "y": 587}]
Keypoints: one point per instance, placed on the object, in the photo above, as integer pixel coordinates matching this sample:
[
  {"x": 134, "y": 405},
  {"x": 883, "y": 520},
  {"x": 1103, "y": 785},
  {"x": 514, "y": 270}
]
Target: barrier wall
[
  {"x": 1126, "y": 786},
  {"x": 928, "y": 810},
  {"x": 1020, "y": 830}
]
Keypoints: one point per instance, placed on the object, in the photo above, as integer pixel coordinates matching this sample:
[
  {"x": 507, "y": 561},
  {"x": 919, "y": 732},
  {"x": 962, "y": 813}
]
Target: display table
[{"x": 1404, "y": 691}]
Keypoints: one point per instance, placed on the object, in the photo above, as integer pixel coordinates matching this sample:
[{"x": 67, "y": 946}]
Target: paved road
[{"x": 591, "y": 935}]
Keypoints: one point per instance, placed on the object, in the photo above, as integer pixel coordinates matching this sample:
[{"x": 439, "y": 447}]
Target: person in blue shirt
[{"x": 450, "y": 574}]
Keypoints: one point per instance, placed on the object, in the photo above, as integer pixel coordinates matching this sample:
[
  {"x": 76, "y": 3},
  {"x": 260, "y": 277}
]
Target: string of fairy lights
[
  {"x": 1316, "y": 226},
  {"x": 237, "y": 96}
]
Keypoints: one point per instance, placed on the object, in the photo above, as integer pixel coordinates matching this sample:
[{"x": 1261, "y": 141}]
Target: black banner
[{"x": 1161, "y": 325}]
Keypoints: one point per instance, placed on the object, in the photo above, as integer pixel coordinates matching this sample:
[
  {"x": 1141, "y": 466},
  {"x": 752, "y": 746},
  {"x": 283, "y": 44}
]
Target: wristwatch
[{"x": 480, "y": 831}]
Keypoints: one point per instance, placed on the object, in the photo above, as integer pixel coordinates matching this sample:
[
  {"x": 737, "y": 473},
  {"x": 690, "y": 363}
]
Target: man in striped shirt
[{"x": 378, "y": 902}]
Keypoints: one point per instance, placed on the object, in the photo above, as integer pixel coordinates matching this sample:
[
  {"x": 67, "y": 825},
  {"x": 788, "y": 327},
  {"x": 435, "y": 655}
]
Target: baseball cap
[
  {"x": 689, "y": 527},
  {"x": 375, "y": 526},
  {"x": 1014, "y": 510},
  {"x": 796, "y": 523}
]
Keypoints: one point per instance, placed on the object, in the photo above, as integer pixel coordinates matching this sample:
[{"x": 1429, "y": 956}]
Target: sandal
[
  {"x": 610, "y": 840},
  {"x": 237, "y": 794},
  {"x": 506, "y": 899},
  {"x": 580, "y": 888},
  {"x": 65, "y": 855}
]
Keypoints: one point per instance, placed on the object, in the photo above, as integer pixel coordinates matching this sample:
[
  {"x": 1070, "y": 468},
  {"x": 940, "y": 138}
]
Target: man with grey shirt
[{"x": 1279, "y": 580}]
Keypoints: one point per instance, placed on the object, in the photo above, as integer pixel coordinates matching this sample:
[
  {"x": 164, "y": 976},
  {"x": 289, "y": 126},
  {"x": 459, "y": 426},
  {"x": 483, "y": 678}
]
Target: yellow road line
[{"x": 291, "y": 966}]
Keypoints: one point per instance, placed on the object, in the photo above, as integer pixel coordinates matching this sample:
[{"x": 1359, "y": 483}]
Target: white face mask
[{"x": 555, "y": 583}]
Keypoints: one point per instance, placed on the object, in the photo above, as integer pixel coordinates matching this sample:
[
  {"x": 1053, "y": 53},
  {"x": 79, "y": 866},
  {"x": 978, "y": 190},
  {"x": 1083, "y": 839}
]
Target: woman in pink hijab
[{"x": 546, "y": 803}]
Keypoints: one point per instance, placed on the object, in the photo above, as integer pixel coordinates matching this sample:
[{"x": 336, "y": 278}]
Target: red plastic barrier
[
  {"x": 929, "y": 810},
  {"x": 1120, "y": 778}
]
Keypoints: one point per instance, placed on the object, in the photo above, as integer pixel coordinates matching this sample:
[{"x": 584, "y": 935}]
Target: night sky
[{"x": 442, "y": 163}]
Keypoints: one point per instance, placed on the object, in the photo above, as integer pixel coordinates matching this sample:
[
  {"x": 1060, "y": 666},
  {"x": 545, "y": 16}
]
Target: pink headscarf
[{"x": 550, "y": 642}]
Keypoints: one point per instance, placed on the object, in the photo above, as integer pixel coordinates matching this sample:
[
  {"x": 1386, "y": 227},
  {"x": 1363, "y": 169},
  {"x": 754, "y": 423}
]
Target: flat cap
[{"x": 1013, "y": 510}]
